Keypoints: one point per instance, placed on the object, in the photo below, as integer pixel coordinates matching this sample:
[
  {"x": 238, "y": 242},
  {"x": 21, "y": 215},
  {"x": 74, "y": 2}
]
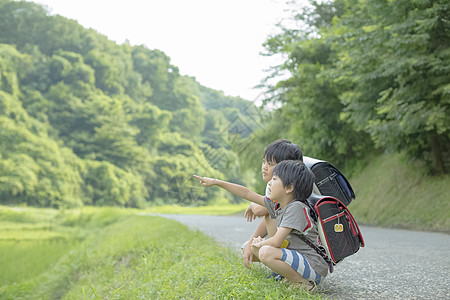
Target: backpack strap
[{"x": 320, "y": 251}]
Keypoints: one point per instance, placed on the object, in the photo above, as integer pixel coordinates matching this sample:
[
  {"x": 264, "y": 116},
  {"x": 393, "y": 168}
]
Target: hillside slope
[
  {"x": 393, "y": 192},
  {"x": 86, "y": 121}
]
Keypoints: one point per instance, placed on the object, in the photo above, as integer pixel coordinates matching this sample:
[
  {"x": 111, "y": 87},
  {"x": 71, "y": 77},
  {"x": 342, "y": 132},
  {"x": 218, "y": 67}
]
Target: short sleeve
[
  {"x": 270, "y": 205},
  {"x": 296, "y": 216}
]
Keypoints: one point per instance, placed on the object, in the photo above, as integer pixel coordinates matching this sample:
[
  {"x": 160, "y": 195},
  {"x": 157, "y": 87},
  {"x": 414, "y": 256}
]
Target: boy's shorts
[{"x": 299, "y": 263}]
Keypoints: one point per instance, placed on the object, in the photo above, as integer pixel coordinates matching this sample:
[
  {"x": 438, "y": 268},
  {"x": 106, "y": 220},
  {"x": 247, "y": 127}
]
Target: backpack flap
[
  {"x": 338, "y": 231},
  {"x": 329, "y": 180}
]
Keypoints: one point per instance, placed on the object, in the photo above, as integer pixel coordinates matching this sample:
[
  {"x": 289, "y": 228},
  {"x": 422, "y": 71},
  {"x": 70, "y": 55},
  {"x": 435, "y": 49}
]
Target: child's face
[
  {"x": 276, "y": 188},
  {"x": 267, "y": 169}
]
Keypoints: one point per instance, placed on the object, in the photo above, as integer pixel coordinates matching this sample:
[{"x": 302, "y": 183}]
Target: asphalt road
[{"x": 394, "y": 264}]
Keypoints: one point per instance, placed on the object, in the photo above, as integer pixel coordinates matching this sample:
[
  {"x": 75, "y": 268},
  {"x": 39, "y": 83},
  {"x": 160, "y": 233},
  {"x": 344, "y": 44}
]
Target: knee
[{"x": 266, "y": 253}]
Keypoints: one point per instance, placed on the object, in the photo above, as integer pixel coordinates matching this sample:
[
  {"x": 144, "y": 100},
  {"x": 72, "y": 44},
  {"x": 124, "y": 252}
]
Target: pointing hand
[{"x": 205, "y": 181}]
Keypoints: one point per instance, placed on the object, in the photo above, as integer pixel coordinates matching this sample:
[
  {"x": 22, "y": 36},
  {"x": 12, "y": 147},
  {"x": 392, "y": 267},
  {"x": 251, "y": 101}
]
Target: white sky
[{"x": 216, "y": 41}]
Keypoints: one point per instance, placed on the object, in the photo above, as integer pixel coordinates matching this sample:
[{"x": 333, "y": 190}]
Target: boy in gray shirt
[{"x": 290, "y": 186}]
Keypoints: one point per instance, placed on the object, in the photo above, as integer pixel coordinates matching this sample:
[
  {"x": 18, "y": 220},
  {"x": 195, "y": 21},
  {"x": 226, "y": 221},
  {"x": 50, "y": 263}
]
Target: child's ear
[{"x": 289, "y": 189}]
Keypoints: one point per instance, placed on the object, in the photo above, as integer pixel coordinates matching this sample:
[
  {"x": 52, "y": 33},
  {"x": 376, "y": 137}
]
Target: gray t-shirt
[{"x": 296, "y": 216}]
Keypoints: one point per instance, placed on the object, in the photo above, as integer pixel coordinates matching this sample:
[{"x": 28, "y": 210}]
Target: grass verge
[
  {"x": 393, "y": 192},
  {"x": 115, "y": 254},
  {"x": 213, "y": 210}
]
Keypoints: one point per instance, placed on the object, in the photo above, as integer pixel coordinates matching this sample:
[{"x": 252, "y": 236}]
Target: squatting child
[
  {"x": 289, "y": 188},
  {"x": 274, "y": 153}
]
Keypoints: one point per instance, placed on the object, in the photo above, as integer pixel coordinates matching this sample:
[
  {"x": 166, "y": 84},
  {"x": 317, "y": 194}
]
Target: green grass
[
  {"x": 24, "y": 260},
  {"x": 392, "y": 192},
  {"x": 110, "y": 253},
  {"x": 215, "y": 210}
]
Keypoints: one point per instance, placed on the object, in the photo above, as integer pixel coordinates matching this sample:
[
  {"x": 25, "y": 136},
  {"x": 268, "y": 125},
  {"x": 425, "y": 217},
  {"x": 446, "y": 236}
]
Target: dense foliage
[
  {"x": 84, "y": 120},
  {"x": 364, "y": 76}
]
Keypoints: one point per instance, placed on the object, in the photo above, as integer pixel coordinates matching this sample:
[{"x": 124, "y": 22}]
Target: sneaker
[
  {"x": 275, "y": 276},
  {"x": 309, "y": 286}
]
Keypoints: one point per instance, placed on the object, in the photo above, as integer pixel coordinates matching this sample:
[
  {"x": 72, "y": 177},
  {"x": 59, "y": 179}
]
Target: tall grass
[{"x": 116, "y": 254}]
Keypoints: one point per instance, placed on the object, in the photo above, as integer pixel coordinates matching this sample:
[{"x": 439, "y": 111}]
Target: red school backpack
[{"x": 339, "y": 233}]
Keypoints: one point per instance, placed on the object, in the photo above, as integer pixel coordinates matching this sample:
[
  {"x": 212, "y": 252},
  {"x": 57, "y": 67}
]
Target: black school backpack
[{"x": 338, "y": 231}]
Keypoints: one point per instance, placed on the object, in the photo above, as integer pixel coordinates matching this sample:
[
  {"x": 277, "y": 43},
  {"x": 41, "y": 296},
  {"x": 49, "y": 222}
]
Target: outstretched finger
[{"x": 198, "y": 177}]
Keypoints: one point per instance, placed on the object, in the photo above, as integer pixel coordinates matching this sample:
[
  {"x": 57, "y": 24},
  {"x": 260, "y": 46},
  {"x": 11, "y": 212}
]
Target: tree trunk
[{"x": 436, "y": 150}]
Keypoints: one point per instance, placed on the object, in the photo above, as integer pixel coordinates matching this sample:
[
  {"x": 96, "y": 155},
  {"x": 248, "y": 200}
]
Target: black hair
[
  {"x": 295, "y": 173},
  {"x": 282, "y": 150}
]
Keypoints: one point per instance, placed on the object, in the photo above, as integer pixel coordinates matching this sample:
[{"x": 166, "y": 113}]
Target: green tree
[
  {"x": 309, "y": 97},
  {"x": 156, "y": 73},
  {"x": 109, "y": 185},
  {"x": 13, "y": 67},
  {"x": 35, "y": 170},
  {"x": 152, "y": 122},
  {"x": 394, "y": 60},
  {"x": 20, "y": 22}
]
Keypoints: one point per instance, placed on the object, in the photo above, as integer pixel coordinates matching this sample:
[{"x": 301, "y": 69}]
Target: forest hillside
[{"x": 84, "y": 120}]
